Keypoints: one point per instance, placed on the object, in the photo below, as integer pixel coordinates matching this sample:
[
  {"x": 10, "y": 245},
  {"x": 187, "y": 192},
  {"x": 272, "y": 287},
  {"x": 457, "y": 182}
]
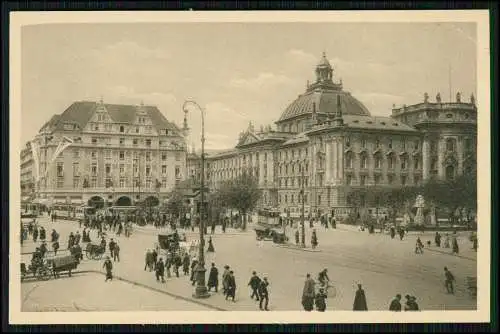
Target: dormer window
[
  {"x": 122, "y": 128},
  {"x": 136, "y": 129},
  {"x": 96, "y": 127}
]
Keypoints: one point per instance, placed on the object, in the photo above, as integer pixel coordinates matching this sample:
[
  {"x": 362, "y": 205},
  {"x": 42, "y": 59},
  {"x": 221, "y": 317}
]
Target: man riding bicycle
[{"x": 323, "y": 277}]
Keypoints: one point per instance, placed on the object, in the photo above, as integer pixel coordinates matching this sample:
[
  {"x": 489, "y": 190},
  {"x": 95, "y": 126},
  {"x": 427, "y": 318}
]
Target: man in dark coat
[
  {"x": 42, "y": 234},
  {"x": 448, "y": 280},
  {"x": 160, "y": 271},
  {"x": 308, "y": 293},
  {"x": 213, "y": 278},
  {"x": 231, "y": 285},
  {"x": 360, "y": 300},
  {"x": 437, "y": 239},
  {"x": 264, "y": 294},
  {"x": 396, "y": 304},
  {"x": 111, "y": 246},
  {"x": 194, "y": 265},
  {"x": 185, "y": 264},
  {"x": 211, "y": 248},
  {"x": 254, "y": 284},
  {"x": 297, "y": 237},
  {"x": 314, "y": 239},
  {"x": 109, "y": 267}
]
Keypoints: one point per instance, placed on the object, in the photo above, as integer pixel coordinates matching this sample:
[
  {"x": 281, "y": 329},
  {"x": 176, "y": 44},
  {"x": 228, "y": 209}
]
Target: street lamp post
[
  {"x": 201, "y": 290},
  {"x": 303, "y": 241}
]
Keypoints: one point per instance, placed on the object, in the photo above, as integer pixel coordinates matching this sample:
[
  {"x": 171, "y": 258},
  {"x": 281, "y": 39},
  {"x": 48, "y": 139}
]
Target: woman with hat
[
  {"x": 225, "y": 276},
  {"x": 108, "y": 265}
]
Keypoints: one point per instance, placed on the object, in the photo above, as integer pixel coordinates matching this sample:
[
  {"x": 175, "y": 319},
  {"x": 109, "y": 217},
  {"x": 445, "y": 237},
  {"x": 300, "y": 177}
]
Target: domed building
[{"x": 327, "y": 143}]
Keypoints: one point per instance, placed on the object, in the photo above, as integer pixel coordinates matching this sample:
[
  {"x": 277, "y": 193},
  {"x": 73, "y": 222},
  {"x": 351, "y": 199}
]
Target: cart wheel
[{"x": 43, "y": 274}]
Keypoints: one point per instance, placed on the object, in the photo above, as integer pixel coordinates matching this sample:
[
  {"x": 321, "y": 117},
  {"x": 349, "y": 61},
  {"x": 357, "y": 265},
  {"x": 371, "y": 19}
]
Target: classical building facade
[
  {"x": 27, "y": 180},
  {"x": 327, "y": 143},
  {"x": 116, "y": 155}
]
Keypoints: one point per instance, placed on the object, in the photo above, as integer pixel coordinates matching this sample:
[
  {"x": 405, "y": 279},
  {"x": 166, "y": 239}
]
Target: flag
[
  {"x": 65, "y": 142},
  {"x": 35, "y": 149}
]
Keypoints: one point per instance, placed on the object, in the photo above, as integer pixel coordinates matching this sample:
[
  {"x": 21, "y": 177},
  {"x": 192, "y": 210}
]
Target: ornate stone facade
[{"x": 327, "y": 142}]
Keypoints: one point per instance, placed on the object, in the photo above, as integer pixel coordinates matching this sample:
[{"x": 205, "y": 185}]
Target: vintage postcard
[{"x": 274, "y": 167}]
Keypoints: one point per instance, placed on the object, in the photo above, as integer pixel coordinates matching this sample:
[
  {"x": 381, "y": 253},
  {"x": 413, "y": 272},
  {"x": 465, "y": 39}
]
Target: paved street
[
  {"x": 384, "y": 267},
  {"x": 93, "y": 294}
]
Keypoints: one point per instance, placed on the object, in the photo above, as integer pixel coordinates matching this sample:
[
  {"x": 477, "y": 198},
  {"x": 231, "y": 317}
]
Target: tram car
[{"x": 30, "y": 210}]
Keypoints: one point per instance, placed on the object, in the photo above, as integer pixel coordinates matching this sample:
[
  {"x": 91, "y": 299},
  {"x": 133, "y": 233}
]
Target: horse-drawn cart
[
  {"x": 62, "y": 263},
  {"x": 94, "y": 251}
]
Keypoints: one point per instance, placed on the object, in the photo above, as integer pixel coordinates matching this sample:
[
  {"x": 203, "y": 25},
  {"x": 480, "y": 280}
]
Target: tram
[
  {"x": 30, "y": 209},
  {"x": 72, "y": 212},
  {"x": 269, "y": 217}
]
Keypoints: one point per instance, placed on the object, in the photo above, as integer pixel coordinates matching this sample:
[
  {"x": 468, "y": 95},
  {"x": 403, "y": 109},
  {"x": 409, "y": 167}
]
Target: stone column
[
  {"x": 426, "y": 157},
  {"x": 460, "y": 155},
  {"x": 441, "y": 151},
  {"x": 334, "y": 163},
  {"x": 328, "y": 162},
  {"x": 340, "y": 160}
]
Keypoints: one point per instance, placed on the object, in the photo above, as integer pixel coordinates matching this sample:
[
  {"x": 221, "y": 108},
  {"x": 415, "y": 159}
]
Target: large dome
[
  {"x": 325, "y": 101},
  {"x": 322, "y": 95}
]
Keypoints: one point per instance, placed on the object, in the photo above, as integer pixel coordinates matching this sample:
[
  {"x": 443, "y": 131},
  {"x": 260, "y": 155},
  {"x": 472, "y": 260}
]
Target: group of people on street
[
  {"x": 260, "y": 291},
  {"x": 410, "y": 305}
]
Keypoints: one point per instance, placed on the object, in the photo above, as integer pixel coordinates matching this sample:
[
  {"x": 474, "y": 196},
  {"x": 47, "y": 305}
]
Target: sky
[{"x": 239, "y": 72}]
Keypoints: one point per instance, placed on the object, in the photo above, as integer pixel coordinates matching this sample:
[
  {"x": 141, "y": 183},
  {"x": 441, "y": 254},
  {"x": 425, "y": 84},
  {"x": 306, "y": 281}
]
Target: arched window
[
  {"x": 363, "y": 161},
  {"x": 378, "y": 161},
  {"x": 348, "y": 160}
]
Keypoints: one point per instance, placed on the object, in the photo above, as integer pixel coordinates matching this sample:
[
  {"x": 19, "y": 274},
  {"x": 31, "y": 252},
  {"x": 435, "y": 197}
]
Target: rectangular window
[
  {"x": 391, "y": 162},
  {"x": 177, "y": 156},
  {"x": 60, "y": 167},
  {"x": 348, "y": 180},
  {"x": 403, "y": 180},
  {"x": 108, "y": 169},
  {"x": 148, "y": 142},
  {"x": 163, "y": 183},
  {"x": 122, "y": 169},
  {"x": 93, "y": 183},
  {"x": 416, "y": 163},
  {"x": 76, "y": 169},
  {"x": 148, "y": 156},
  {"x": 148, "y": 183},
  {"x": 363, "y": 143},
  {"x": 134, "y": 141},
  {"x": 177, "y": 172},
  {"x": 362, "y": 180},
  {"x": 136, "y": 155},
  {"x": 403, "y": 144},
  {"x": 76, "y": 153},
  {"x": 122, "y": 141},
  {"x": 94, "y": 169},
  {"x": 107, "y": 154},
  {"x": 122, "y": 155},
  {"x": 136, "y": 129},
  {"x": 416, "y": 145},
  {"x": 390, "y": 143},
  {"x": 122, "y": 183},
  {"x": 93, "y": 140},
  {"x": 164, "y": 169},
  {"x": 136, "y": 170},
  {"x": 148, "y": 170},
  {"x": 148, "y": 129},
  {"x": 60, "y": 183},
  {"x": 378, "y": 162},
  {"x": 76, "y": 182}
]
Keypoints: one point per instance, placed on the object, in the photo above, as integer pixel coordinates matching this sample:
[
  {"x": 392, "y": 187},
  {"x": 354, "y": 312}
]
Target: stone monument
[{"x": 419, "y": 204}]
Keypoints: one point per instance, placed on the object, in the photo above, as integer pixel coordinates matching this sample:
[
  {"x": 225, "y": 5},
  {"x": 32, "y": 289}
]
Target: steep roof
[{"x": 80, "y": 113}]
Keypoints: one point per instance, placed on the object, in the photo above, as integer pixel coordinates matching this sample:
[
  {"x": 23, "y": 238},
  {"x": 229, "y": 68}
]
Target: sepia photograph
[{"x": 273, "y": 165}]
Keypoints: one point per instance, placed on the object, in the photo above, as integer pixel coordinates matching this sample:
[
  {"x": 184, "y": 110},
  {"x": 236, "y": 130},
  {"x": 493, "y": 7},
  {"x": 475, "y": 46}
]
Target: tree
[
  {"x": 241, "y": 193},
  {"x": 175, "y": 202}
]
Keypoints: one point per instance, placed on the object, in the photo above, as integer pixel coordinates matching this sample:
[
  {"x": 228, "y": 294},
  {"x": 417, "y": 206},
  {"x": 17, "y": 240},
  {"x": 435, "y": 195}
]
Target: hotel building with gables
[{"x": 118, "y": 155}]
